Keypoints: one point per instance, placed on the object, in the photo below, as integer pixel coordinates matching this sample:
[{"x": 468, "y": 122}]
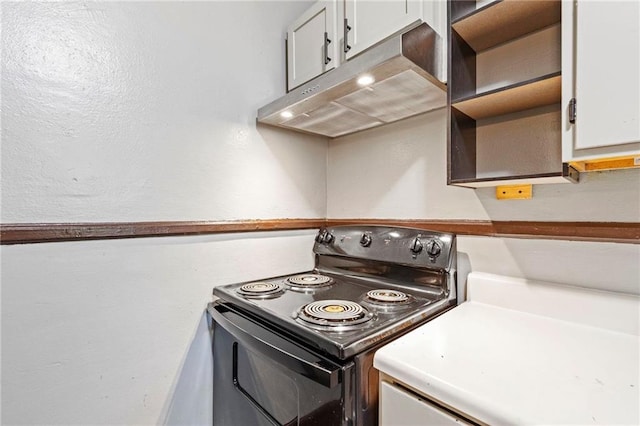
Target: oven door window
[{"x": 286, "y": 398}]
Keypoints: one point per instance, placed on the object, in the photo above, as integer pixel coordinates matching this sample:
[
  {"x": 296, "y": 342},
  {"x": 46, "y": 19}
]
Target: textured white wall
[
  {"x": 396, "y": 171},
  {"x": 399, "y": 171},
  {"x": 133, "y": 111},
  {"x": 604, "y": 266},
  {"x": 99, "y": 332}
]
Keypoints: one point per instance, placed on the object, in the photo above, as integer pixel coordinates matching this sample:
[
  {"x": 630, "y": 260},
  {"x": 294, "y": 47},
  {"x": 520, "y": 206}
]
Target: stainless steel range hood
[{"x": 407, "y": 71}]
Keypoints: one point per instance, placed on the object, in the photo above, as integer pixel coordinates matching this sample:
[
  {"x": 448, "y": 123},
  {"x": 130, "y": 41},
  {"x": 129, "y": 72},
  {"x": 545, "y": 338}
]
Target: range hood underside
[{"x": 402, "y": 89}]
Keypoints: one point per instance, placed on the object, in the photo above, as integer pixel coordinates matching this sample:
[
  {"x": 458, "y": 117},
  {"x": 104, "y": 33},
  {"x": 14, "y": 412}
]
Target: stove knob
[
  {"x": 320, "y": 236},
  {"x": 416, "y": 246},
  {"x": 365, "y": 241},
  {"x": 327, "y": 237},
  {"x": 433, "y": 248}
]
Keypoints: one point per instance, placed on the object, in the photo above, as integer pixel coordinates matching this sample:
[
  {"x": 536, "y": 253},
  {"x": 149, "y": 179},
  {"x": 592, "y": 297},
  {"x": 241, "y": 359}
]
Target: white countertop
[{"x": 505, "y": 366}]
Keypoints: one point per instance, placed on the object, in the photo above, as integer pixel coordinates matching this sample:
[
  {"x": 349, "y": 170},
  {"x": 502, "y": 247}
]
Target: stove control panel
[{"x": 409, "y": 246}]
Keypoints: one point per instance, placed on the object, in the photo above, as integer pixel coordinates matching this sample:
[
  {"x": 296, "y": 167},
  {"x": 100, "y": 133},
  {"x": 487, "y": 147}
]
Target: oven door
[{"x": 262, "y": 378}]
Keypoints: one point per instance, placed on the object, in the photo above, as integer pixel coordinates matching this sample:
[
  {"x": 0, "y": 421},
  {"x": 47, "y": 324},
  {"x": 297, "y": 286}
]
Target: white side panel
[
  {"x": 434, "y": 12},
  {"x": 399, "y": 408}
]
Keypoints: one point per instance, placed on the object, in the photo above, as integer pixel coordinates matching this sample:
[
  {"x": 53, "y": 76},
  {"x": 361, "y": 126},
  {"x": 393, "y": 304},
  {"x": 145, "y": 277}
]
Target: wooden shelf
[
  {"x": 545, "y": 90},
  {"x": 570, "y": 175},
  {"x": 505, "y": 20}
]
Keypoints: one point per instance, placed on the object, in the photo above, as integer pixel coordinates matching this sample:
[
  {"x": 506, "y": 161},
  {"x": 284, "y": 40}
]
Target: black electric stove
[{"x": 370, "y": 284}]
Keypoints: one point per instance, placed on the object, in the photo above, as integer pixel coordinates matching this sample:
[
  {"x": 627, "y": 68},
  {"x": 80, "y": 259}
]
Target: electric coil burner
[
  {"x": 334, "y": 314},
  {"x": 260, "y": 290},
  {"x": 298, "y": 349},
  {"x": 309, "y": 281},
  {"x": 387, "y": 297}
]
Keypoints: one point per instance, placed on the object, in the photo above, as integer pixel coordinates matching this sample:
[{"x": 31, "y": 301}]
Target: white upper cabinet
[
  {"x": 332, "y": 31},
  {"x": 369, "y": 21},
  {"x": 311, "y": 44},
  {"x": 601, "y": 56}
]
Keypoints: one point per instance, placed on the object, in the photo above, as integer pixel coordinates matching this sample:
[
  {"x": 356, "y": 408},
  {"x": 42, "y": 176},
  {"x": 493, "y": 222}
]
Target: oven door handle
[{"x": 276, "y": 348}]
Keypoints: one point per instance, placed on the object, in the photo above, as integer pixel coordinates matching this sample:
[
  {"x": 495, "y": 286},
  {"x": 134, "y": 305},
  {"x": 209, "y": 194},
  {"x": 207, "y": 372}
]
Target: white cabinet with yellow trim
[{"x": 601, "y": 46}]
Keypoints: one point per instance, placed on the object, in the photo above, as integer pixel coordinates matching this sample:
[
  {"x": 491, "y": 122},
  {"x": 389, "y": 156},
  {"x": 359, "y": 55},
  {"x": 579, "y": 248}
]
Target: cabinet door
[
  {"x": 400, "y": 408},
  {"x": 374, "y": 20},
  {"x": 311, "y": 44},
  {"x": 601, "y": 45}
]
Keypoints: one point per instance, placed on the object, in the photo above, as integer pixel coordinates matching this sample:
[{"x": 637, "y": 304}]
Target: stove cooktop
[
  {"x": 339, "y": 314},
  {"x": 370, "y": 283}
]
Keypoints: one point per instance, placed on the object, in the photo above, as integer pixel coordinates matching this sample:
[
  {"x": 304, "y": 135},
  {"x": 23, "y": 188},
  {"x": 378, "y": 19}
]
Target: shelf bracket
[{"x": 514, "y": 192}]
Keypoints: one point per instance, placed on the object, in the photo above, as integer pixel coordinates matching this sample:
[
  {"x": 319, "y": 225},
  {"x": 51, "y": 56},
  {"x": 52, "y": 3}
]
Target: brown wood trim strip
[
  {"x": 50, "y": 232},
  {"x": 461, "y": 227},
  {"x": 622, "y": 232}
]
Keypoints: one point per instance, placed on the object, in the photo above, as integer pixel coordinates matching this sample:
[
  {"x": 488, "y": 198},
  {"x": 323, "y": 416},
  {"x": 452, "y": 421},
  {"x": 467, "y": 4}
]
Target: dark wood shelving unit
[{"x": 505, "y": 128}]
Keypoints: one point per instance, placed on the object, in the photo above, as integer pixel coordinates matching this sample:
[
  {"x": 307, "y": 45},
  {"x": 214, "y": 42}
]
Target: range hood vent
[{"x": 407, "y": 71}]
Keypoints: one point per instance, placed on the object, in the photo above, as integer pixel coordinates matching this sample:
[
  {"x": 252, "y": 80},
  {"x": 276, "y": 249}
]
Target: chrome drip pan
[{"x": 333, "y": 315}]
